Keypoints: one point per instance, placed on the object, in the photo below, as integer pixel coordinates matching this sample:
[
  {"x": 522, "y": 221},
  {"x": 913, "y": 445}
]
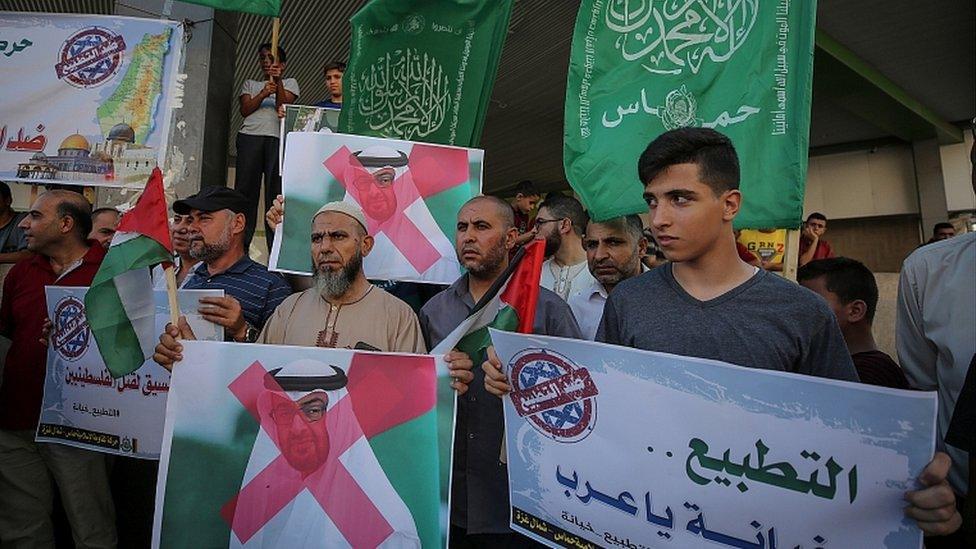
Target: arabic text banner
[
  {"x": 83, "y": 406},
  {"x": 86, "y": 98},
  {"x": 285, "y": 446},
  {"x": 616, "y": 447},
  {"x": 638, "y": 69},
  {"x": 410, "y": 193}
]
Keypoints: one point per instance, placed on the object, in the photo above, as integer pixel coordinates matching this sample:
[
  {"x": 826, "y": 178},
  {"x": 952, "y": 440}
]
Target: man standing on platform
[
  {"x": 526, "y": 197},
  {"x": 560, "y": 223},
  {"x": 55, "y": 229},
  {"x": 812, "y": 244}
]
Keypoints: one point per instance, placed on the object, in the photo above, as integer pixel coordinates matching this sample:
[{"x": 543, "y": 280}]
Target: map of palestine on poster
[{"x": 87, "y": 99}]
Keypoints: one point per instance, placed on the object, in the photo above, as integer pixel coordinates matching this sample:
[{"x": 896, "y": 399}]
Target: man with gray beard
[{"x": 342, "y": 309}]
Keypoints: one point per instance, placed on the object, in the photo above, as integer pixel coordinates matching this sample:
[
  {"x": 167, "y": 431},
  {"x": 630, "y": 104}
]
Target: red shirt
[
  {"x": 22, "y": 315},
  {"x": 823, "y": 249}
]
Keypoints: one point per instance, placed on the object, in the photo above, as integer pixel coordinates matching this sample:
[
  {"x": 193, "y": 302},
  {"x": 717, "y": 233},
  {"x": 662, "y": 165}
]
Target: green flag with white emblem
[
  {"x": 638, "y": 69},
  {"x": 422, "y": 70}
]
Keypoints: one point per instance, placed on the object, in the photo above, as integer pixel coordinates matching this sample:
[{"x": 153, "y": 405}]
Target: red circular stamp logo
[
  {"x": 70, "y": 334},
  {"x": 557, "y": 397},
  {"x": 90, "y": 57}
]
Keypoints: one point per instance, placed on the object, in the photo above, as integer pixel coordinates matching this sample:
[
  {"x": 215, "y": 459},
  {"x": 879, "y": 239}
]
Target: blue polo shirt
[{"x": 258, "y": 290}]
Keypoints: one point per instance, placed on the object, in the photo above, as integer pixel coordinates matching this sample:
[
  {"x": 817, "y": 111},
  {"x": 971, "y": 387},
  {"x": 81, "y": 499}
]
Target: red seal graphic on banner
[
  {"x": 70, "y": 335},
  {"x": 90, "y": 57},
  {"x": 558, "y": 397}
]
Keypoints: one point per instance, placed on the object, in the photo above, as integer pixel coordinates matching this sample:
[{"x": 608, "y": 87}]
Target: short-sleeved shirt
[
  {"x": 877, "y": 368},
  {"x": 479, "y": 491},
  {"x": 328, "y": 104},
  {"x": 378, "y": 320},
  {"x": 766, "y": 322},
  {"x": 258, "y": 290},
  {"x": 264, "y": 121},
  {"x": 22, "y": 315},
  {"x": 768, "y": 246},
  {"x": 824, "y": 251}
]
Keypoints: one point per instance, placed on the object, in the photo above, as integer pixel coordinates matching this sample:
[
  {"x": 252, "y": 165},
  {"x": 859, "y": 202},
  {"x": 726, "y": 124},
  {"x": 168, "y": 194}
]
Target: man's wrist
[{"x": 240, "y": 335}]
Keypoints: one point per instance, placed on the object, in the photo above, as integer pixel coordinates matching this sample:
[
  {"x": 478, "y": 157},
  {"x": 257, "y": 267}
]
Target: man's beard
[
  {"x": 211, "y": 252},
  {"x": 553, "y": 241},
  {"x": 335, "y": 284},
  {"x": 489, "y": 266}
]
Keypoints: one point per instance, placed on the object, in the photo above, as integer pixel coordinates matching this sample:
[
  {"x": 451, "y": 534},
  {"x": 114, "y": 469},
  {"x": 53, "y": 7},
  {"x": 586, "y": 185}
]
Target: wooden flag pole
[
  {"x": 791, "y": 258},
  {"x": 275, "y": 30},
  {"x": 174, "y": 305}
]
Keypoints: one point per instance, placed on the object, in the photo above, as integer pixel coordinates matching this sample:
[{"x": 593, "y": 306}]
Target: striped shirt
[{"x": 258, "y": 290}]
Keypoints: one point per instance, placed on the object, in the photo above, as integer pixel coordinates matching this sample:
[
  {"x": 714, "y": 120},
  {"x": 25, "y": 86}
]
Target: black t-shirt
[{"x": 877, "y": 368}]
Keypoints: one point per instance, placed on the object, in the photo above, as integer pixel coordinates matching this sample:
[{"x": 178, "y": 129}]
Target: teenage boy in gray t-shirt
[{"x": 708, "y": 303}]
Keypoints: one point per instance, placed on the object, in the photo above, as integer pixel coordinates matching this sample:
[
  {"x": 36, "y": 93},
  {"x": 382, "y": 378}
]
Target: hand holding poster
[
  {"x": 613, "y": 446},
  {"x": 86, "y": 99},
  {"x": 409, "y": 192},
  {"x": 301, "y": 447},
  {"x": 83, "y": 406}
]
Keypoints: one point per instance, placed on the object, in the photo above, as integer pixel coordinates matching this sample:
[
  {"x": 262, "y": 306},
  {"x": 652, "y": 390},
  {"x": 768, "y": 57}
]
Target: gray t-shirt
[
  {"x": 12, "y": 238},
  {"x": 766, "y": 322},
  {"x": 264, "y": 121}
]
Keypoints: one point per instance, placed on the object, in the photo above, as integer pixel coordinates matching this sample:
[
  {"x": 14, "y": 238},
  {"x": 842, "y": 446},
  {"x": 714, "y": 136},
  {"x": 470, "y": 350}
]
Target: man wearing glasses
[{"x": 560, "y": 223}]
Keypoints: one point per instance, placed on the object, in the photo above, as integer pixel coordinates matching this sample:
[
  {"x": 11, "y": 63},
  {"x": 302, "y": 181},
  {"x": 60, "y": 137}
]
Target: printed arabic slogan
[
  {"x": 422, "y": 70},
  {"x": 83, "y": 405},
  {"x": 409, "y": 192},
  {"x": 86, "y": 99},
  {"x": 639, "y": 68},
  {"x": 301, "y": 447},
  {"x": 614, "y": 447}
]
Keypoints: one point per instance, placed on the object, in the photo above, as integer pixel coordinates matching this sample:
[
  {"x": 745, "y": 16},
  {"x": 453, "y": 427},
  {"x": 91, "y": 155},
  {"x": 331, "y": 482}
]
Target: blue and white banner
[
  {"x": 83, "y": 405},
  {"x": 616, "y": 447}
]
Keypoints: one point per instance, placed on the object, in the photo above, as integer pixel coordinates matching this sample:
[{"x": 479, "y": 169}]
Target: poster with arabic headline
[
  {"x": 616, "y": 447},
  {"x": 304, "y": 118},
  {"x": 87, "y": 99},
  {"x": 83, "y": 406}
]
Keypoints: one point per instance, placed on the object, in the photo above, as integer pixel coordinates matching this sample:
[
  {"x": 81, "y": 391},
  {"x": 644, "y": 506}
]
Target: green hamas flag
[
  {"x": 422, "y": 70},
  {"x": 261, "y": 7},
  {"x": 638, "y": 69}
]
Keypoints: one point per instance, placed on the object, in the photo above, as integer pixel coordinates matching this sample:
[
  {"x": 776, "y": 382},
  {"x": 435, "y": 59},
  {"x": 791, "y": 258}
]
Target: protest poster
[
  {"x": 423, "y": 70},
  {"x": 409, "y": 192},
  {"x": 303, "y": 118},
  {"x": 83, "y": 406},
  {"x": 286, "y": 446},
  {"x": 87, "y": 99},
  {"x": 615, "y": 447},
  {"x": 638, "y": 69}
]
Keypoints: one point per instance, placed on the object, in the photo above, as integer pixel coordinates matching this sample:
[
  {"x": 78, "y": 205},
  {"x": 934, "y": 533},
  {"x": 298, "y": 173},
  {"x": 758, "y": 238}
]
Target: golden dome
[{"x": 75, "y": 141}]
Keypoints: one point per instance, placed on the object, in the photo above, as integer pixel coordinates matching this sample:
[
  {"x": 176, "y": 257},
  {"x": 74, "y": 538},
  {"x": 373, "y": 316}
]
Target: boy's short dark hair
[
  {"x": 334, "y": 66},
  {"x": 526, "y": 188},
  {"x": 846, "y": 277},
  {"x": 935, "y": 229},
  {"x": 567, "y": 207},
  {"x": 5, "y": 191},
  {"x": 712, "y": 152},
  {"x": 817, "y": 215},
  {"x": 282, "y": 57}
]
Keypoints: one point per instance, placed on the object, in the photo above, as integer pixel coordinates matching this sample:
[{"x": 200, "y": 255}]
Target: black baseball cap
[{"x": 211, "y": 199}]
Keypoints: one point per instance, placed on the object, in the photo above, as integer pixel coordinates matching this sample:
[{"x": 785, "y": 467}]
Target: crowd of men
[{"x": 704, "y": 301}]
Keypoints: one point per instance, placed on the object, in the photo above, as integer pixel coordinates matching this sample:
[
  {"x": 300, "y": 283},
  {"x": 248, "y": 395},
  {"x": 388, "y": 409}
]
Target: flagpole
[
  {"x": 174, "y": 305},
  {"x": 275, "y": 30}
]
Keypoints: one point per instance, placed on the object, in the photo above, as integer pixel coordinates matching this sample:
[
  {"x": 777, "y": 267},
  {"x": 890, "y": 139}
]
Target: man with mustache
[
  {"x": 484, "y": 234},
  {"x": 216, "y": 239},
  {"x": 342, "y": 309},
  {"x": 560, "y": 223},
  {"x": 614, "y": 249}
]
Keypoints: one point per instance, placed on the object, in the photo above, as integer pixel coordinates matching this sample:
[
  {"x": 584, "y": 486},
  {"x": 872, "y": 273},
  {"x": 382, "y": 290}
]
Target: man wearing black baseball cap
[{"x": 217, "y": 226}]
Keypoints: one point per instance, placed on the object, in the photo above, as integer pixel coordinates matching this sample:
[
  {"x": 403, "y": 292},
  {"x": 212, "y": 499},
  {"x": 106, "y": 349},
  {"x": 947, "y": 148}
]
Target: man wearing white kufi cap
[
  {"x": 301, "y": 410},
  {"x": 342, "y": 309}
]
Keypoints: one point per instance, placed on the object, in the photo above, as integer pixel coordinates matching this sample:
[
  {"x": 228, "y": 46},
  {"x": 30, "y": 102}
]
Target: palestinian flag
[
  {"x": 270, "y": 8},
  {"x": 509, "y": 304},
  {"x": 119, "y": 304},
  {"x": 285, "y": 446}
]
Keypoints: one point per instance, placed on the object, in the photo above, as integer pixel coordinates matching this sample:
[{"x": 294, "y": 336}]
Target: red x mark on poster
[{"x": 380, "y": 396}]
